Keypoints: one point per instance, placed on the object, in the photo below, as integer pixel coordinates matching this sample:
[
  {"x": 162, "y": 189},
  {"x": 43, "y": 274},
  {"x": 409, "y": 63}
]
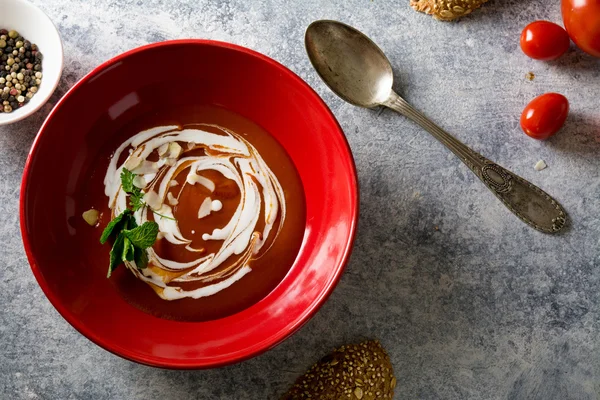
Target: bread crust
[{"x": 446, "y": 10}]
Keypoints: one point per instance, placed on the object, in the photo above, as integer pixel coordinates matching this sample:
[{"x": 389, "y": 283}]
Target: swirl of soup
[{"x": 217, "y": 204}]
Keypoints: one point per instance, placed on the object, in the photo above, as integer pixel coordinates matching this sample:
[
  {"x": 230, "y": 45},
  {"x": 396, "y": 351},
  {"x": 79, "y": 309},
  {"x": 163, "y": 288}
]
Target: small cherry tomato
[
  {"x": 545, "y": 115},
  {"x": 544, "y": 40},
  {"x": 582, "y": 20}
]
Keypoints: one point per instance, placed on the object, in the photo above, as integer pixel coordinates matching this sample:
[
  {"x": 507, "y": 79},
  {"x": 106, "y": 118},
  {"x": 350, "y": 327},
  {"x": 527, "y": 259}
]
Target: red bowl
[{"x": 240, "y": 80}]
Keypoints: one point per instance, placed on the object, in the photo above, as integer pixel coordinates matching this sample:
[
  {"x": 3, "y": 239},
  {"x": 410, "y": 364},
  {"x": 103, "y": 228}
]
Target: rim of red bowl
[{"x": 254, "y": 351}]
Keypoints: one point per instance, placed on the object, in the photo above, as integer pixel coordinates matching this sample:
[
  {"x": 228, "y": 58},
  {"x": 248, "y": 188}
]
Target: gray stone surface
[{"x": 469, "y": 302}]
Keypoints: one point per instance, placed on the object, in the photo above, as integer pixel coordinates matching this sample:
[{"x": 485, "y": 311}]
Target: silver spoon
[{"x": 358, "y": 71}]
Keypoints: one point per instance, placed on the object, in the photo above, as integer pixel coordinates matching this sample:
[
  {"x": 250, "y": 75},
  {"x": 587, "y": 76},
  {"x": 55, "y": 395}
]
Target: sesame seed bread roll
[
  {"x": 358, "y": 372},
  {"x": 446, "y": 10}
]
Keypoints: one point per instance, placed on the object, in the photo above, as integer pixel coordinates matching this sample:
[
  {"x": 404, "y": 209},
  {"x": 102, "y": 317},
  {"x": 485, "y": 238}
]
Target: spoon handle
[{"x": 530, "y": 203}]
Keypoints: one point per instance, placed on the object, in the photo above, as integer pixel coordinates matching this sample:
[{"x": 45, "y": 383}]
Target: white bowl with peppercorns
[{"x": 31, "y": 59}]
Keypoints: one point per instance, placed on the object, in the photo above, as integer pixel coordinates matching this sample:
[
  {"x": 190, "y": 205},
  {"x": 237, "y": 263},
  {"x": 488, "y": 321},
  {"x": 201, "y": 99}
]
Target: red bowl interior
[{"x": 240, "y": 80}]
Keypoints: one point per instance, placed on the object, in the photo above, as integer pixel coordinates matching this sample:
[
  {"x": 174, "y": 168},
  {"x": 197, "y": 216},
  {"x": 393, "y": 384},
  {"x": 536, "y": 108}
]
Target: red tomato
[
  {"x": 544, "y": 40},
  {"x": 545, "y": 115},
  {"x": 582, "y": 20}
]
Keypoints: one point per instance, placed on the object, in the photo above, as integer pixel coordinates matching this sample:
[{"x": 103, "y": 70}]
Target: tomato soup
[{"x": 227, "y": 200}]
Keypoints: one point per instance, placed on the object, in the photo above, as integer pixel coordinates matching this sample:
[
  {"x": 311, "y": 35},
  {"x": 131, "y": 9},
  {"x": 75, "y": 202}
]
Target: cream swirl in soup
[{"x": 192, "y": 175}]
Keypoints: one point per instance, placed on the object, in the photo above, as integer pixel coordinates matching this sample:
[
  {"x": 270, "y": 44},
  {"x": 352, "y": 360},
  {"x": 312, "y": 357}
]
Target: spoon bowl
[{"x": 349, "y": 63}]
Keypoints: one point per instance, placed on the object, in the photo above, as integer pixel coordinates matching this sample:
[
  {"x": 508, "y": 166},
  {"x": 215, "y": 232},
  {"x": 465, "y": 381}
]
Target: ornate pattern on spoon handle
[{"x": 530, "y": 203}]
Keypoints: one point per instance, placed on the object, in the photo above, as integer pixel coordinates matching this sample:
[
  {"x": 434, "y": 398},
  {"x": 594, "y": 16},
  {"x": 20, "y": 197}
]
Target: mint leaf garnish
[
  {"x": 127, "y": 180},
  {"x": 116, "y": 254},
  {"x": 141, "y": 258},
  {"x": 136, "y": 200},
  {"x": 116, "y": 225},
  {"x": 131, "y": 240},
  {"x": 136, "y": 197},
  {"x": 144, "y": 235},
  {"x": 128, "y": 249}
]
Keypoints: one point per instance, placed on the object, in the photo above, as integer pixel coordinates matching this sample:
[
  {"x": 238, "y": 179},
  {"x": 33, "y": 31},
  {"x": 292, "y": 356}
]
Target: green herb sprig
[
  {"x": 131, "y": 240},
  {"x": 136, "y": 197}
]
